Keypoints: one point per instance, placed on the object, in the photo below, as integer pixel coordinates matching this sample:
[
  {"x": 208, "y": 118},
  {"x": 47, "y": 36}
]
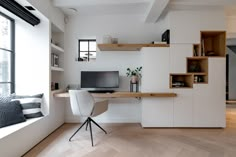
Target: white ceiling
[
  {"x": 103, "y": 7},
  {"x": 151, "y": 9}
]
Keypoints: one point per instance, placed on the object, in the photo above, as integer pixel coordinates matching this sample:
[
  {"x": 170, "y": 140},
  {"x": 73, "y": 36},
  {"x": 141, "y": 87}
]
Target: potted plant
[{"x": 134, "y": 74}]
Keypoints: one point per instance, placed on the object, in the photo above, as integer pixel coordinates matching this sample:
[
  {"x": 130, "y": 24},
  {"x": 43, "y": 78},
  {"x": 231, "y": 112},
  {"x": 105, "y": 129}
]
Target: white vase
[{"x": 107, "y": 39}]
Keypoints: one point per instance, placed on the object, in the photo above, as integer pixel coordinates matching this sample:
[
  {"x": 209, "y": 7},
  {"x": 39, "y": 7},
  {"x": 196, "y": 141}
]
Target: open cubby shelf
[
  {"x": 213, "y": 43},
  {"x": 181, "y": 81},
  {"x": 197, "y": 65}
]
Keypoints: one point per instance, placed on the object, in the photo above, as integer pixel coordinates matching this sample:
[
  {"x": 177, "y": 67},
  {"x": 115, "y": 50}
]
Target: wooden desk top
[{"x": 122, "y": 95}]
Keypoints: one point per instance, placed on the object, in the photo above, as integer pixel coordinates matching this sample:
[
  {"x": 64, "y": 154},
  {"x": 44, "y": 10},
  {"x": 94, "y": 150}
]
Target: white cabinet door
[
  {"x": 156, "y": 112},
  {"x": 183, "y": 108},
  {"x": 178, "y": 57},
  {"x": 209, "y": 99},
  {"x": 156, "y": 69}
]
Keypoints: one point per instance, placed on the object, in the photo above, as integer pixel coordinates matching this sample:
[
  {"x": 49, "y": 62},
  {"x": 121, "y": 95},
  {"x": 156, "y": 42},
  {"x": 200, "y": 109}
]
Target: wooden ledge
[{"x": 123, "y": 95}]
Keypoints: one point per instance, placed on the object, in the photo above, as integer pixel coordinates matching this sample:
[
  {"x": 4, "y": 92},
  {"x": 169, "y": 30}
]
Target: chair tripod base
[{"x": 88, "y": 122}]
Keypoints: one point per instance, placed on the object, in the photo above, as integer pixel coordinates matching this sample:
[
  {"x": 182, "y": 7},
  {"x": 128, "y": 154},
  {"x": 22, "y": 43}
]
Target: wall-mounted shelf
[
  {"x": 56, "y": 68},
  {"x": 122, "y": 95},
  {"x": 56, "y": 49},
  {"x": 127, "y": 47},
  {"x": 181, "y": 80}
]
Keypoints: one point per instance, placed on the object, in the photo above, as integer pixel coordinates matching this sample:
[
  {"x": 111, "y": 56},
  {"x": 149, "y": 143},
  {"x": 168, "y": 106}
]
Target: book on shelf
[{"x": 159, "y": 42}]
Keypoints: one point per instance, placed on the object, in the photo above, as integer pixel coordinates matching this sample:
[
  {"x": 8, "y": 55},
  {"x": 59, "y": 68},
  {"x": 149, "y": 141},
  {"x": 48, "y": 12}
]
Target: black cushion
[
  {"x": 11, "y": 113},
  {"x": 31, "y": 105}
]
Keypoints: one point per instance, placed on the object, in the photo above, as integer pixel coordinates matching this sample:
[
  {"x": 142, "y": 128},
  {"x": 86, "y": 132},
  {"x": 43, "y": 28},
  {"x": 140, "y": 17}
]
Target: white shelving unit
[{"x": 57, "y": 49}]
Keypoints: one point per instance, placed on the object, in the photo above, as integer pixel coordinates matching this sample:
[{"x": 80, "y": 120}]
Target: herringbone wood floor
[{"x": 130, "y": 140}]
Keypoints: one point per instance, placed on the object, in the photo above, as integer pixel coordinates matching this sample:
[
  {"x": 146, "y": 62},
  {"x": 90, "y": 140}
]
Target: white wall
[
  {"x": 55, "y": 15},
  {"x": 232, "y": 74},
  {"x": 33, "y": 76},
  {"x": 231, "y": 24},
  {"x": 128, "y": 29}
]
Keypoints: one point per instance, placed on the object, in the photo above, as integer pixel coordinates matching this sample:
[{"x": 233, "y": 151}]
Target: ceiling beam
[
  {"x": 156, "y": 9},
  {"x": 204, "y": 2}
]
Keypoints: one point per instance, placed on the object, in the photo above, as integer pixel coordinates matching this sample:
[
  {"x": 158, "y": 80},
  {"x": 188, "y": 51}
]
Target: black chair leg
[
  {"x": 79, "y": 129},
  {"x": 91, "y": 130},
  {"x": 97, "y": 125},
  {"x": 86, "y": 126}
]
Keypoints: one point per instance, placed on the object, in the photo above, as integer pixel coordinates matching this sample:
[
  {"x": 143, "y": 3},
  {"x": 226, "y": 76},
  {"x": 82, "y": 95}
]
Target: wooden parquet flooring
[{"x": 130, "y": 140}]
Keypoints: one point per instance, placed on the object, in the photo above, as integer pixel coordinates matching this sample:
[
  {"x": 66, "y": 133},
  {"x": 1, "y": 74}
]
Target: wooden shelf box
[
  {"x": 177, "y": 79},
  {"x": 213, "y": 43},
  {"x": 197, "y": 65}
]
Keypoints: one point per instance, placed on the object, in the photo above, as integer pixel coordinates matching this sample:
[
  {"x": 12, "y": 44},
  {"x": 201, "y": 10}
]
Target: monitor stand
[{"x": 101, "y": 91}]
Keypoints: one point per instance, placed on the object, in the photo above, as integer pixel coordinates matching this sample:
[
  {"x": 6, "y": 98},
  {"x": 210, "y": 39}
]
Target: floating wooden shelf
[
  {"x": 127, "y": 47},
  {"x": 122, "y": 95}
]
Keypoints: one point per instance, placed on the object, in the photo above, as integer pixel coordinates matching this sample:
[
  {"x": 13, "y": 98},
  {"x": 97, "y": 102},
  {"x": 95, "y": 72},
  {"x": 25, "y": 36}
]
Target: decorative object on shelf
[
  {"x": 107, "y": 39},
  {"x": 55, "y": 60},
  {"x": 210, "y": 53},
  {"x": 195, "y": 79},
  {"x": 178, "y": 84},
  {"x": 158, "y": 42},
  {"x": 166, "y": 36},
  {"x": 134, "y": 74},
  {"x": 134, "y": 87},
  {"x": 195, "y": 50},
  {"x": 114, "y": 40},
  {"x": 194, "y": 67},
  {"x": 203, "y": 48},
  {"x": 56, "y": 86}
]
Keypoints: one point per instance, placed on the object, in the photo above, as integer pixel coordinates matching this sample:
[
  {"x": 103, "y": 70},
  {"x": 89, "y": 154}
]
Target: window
[
  {"x": 7, "y": 55},
  {"x": 87, "y": 50}
]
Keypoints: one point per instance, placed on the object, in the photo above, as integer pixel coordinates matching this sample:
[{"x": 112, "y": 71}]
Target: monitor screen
[{"x": 99, "y": 79}]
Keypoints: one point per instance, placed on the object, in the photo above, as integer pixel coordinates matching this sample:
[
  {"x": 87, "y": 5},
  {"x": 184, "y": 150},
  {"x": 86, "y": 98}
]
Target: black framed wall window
[
  {"x": 7, "y": 55},
  {"x": 87, "y": 50}
]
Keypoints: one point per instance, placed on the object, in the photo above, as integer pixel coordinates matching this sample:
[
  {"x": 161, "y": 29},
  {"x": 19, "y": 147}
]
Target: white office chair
[{"x": 83, "y": 104}]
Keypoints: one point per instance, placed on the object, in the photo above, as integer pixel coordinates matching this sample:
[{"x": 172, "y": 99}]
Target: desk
[{"x": 122, "y": 95}]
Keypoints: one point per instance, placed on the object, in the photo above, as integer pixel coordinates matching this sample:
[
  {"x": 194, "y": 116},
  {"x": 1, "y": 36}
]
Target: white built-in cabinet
[
  {"x": 156, "y": 112},
  {"x": 203, "y": 105}
]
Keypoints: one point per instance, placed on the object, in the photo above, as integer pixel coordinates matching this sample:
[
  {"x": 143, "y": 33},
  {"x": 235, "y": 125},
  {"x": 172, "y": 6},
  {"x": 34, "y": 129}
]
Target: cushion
[
  {"x": 31, "y": 105},
  {"x": 11, "y": 113},
  {"x": 5, "y": 99}
]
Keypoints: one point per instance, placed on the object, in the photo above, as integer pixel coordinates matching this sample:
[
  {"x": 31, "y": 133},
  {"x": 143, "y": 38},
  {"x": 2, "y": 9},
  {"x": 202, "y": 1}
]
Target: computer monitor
[{"x": 100, "y": 79}]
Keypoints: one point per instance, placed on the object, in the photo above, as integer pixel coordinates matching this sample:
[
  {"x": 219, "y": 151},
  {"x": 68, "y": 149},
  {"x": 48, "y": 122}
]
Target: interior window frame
[
  {"x": 12, "y": 52},
  {"x": 79, "y": 53}
]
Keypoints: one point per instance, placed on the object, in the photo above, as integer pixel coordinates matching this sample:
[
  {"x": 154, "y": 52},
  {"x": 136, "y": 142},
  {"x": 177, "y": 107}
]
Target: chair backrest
[{"x": 82, "y": 102}]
